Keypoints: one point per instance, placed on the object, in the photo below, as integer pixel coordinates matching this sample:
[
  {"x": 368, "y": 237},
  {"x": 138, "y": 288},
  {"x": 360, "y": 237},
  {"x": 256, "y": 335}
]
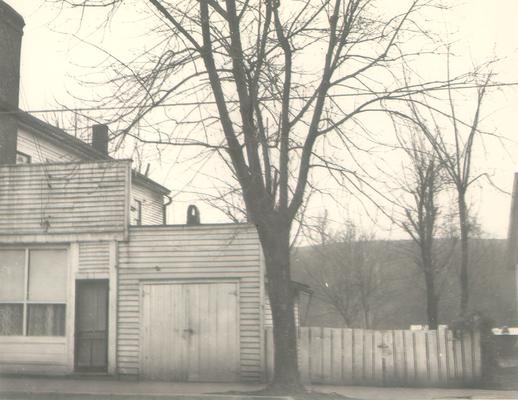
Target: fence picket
[
  {"x": 336, "y": 356},
  {"x": 304, "y": 354},
  {"x": 410, "y": 357},
  {"x": 399, "y": 358},
  {"x": 378, "y": 353},
  {"x": 315, "y": 343},
  {"x": 368, "y": 356},
  {"x": 358, "y": 356},
  {"x": 326, "y": 355},
  {"x": 433, "y": 357},
  {"x": 442, "y": 358},
  {"x": 467, "y": 353},
  {"x": 421, "y": 357},
  {"x": 389, "y": 370},
  {"x": 347, "y": 356}
]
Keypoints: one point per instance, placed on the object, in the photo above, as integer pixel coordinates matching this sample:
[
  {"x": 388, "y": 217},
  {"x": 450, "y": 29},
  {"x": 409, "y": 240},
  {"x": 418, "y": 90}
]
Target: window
[
  {"x": 33, "y": 284},
  {"x": 136, "y": 212},
  {"x": 22, "y": 158}
]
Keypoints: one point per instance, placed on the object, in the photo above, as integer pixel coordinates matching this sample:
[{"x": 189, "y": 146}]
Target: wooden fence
[{"x": 384, "y": 358}]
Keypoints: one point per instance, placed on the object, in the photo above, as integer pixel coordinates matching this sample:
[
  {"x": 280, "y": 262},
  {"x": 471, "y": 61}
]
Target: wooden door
[
  {"x": 91, "y": 325},
  {"x": 190, "y": 332}
]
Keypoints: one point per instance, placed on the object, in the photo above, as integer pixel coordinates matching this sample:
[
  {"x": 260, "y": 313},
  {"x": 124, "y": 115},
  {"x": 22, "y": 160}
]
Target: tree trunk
[
  {"x": 276, "y": 248},
  {"x": 464, "y": 236},
  {"x": 432, "y": 309}
]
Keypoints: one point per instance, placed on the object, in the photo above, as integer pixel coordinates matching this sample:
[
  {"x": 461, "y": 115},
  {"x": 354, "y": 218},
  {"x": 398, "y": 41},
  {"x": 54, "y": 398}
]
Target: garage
[{"x": 190, "y": 331}]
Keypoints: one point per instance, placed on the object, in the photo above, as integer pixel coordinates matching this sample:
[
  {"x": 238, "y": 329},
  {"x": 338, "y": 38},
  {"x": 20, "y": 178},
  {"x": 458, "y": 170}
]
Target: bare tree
[
  {"x": 454, "y": 149},
  {"x": 344, "y": 270},
  {"x": 423, "y": 181},
  {"x": 273, "y": 83}
]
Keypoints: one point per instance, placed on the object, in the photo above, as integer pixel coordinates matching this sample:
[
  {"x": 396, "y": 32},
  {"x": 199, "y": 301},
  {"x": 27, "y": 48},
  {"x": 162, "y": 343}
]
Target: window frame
[
  {"x": 26, "y": 156},
  {"x": 136, "y": 207},
  {"x": 26, "y": 302}
]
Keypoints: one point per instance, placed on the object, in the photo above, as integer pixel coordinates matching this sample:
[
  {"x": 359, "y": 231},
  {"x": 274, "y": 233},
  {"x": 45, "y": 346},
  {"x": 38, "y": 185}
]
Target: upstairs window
[
  {"x": 136, "y": 212},
  {"x": 33, "y": 284},
  {"x": 22, "y": 158}
]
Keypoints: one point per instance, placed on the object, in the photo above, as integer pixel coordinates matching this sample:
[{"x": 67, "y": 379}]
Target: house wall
[
  {"x": 42, "y": 150},
  {"x": 200, "y": 253},
  {"x": 63, "y": 200},
  {"x": 152, "y": 204}
]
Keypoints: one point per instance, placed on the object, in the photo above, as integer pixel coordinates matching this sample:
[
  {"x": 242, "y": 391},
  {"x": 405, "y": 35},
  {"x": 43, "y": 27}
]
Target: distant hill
[{"x": 398, "y": 298}]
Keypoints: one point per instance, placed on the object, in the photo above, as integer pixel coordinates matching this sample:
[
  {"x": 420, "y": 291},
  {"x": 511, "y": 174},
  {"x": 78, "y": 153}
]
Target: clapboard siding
[
  {"x": 41, "y": 150},
  {"x": 190, "y": 253},
  {"x": 64, "y": 198},
  {"x": 268, "y": 320},
  {"x": 41, "y": 355},
  {"x": 94, "y": 257},
  {"x": 152, "y": 204}
]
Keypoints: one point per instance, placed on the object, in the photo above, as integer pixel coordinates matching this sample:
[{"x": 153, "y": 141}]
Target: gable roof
[{"x": 79, "y": 147}]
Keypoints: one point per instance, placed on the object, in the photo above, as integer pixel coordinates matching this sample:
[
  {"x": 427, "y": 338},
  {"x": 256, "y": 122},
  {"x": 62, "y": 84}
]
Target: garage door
[{"x": 190, "y": 332}]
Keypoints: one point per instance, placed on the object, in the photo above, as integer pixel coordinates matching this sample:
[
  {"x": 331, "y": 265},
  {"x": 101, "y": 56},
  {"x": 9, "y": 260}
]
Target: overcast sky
[{"x": 480, "y": 29}]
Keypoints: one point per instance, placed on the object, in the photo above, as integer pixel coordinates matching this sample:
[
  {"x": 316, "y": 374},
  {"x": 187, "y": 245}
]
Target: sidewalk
[{"x": 108, "y": 386}]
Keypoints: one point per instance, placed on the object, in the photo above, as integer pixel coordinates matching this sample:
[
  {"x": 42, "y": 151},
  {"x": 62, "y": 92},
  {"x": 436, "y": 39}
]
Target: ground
[{"x": 17, "y": 388}]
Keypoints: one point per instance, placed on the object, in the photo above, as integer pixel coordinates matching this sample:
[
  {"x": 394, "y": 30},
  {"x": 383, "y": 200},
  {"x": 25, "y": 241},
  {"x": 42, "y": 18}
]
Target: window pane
[
  {"x": 46, "y": 320},
  {"x": 12, "y": 270},
  {"x": 48, "y": 275},
  {"x": 11, "y": 319}
]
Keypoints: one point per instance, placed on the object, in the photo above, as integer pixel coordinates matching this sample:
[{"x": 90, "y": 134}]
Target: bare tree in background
[
  {"x": 423, "y": 181},
  {"x": 273, "y": 85},
  {"x": 344, "y": 271},
  {"x": 453, "y": 148}
]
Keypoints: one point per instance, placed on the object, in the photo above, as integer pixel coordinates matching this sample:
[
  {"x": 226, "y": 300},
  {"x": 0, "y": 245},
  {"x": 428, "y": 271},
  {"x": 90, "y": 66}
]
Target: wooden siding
[
  {"x": 94, "y": 258},
  {"x": 41, "y": 150},
  {"x": 152, "y": 204},
  {"x": 190, "y": 253},
  {"x": 63, "y": 198},
  {"x": 41, "y": 355},
  {"x": 268, "y": 320}
]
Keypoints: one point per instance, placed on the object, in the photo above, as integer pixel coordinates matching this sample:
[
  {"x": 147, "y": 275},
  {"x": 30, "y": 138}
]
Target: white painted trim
[
  {"x": 61, "y": 237},
  {"x": 112, "y": 309},
  {"x": 262, "y": 347},
  {"x": 71, "y": 304},
  {"x": 85, "y": 275}
]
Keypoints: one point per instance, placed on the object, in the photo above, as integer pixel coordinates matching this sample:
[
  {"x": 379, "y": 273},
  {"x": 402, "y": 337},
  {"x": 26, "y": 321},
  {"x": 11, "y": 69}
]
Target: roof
[{"x": 75, "y": 145}]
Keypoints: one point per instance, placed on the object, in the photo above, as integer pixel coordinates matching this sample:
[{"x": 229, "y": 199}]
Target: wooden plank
[
  {"x": 421, "y": 361},
  {"x": 315, "y": 345},
  {"x": 433, "y": 358},
  {"x": 477, "y": 356},
  {"x": 347, "y": 356},
  {"x": 326, "y": 355},
  {"x": 336, "y": 355},
  {"x": 459, "y": 359},
  {"x": 378, "y": 358},
  {"x": 358, "y": 364},
  {"x": 410, "y": 361},
  {"x": 368, "y": 356},
  {"x": 399, "y": 358},
  {"x": 467, "y": 353},
  {"x": 389, "y": 364},
  {"x": 304, "y": 354},
  {"x": 450, "y": 356},
  {"x": 442, "y": 358}
]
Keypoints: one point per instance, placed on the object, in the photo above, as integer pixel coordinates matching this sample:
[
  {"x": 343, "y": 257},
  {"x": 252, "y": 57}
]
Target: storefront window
[{"x": 33, "y": 285}]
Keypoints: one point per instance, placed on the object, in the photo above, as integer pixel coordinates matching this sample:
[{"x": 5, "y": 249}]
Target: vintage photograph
[{"x": 258, "y": 199}]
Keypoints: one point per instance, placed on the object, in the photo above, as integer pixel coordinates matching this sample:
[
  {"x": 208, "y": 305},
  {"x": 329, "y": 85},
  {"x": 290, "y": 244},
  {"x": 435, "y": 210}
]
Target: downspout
[{"x": 164, "y": 209}]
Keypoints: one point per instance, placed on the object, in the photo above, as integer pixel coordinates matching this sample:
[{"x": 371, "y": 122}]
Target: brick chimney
[
  {"x": 100, "y": 138},
  {"x": 11, "y": 31}
]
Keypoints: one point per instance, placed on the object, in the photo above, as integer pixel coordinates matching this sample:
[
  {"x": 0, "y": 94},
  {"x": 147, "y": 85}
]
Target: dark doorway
[{"x": 91, "y": 347}]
